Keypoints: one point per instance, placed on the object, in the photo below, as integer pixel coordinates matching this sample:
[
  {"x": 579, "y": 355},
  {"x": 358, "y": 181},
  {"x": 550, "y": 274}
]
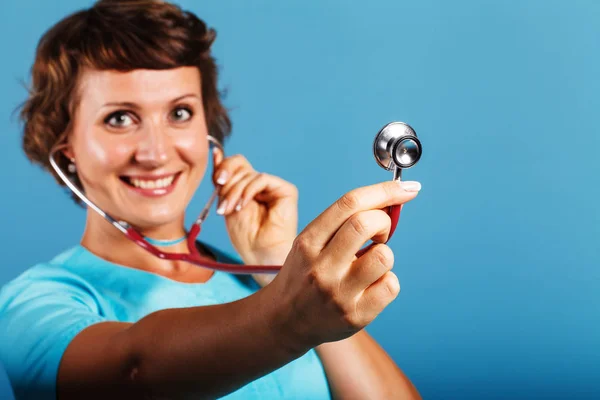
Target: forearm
[
  {"x": 207, "y": 352},
  {"x": 358, "y": 368}
]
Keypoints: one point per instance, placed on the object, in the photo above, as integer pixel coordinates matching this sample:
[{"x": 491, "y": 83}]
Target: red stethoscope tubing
[{"x": 196, "y": 258}]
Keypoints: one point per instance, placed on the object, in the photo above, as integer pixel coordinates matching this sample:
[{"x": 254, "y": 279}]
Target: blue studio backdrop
[{"x": 499, "y": 255}]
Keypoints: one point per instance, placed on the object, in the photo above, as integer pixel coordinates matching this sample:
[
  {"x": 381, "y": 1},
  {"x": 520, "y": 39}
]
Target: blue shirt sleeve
[{"x": 40, "y": 313}]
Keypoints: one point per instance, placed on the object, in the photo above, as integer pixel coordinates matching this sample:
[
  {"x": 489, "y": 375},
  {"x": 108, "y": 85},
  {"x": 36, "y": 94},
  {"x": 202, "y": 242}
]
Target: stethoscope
[{"x": 396, "y": 147}]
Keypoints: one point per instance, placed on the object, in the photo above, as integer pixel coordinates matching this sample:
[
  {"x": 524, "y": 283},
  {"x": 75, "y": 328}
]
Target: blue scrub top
[{"x": 44, "y": 308}]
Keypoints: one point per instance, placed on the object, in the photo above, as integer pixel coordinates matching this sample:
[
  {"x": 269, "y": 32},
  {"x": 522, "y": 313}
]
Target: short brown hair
[{"x": 120, "y": 35}]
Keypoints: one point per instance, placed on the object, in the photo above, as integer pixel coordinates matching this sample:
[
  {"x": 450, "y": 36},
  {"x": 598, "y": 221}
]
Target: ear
[{"x": 68, "y": 152}]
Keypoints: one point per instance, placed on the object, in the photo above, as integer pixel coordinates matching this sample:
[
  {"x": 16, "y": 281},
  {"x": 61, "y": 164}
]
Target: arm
[
  {"x": 358, "y": 368},
  {"x": 322, "y": 294},
  {"x": 199, "y": 352}
]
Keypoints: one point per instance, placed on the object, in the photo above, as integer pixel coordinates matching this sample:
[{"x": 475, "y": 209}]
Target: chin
[
  {"x": 153, "y": 213},
  {"x": 151, "y": 218}
]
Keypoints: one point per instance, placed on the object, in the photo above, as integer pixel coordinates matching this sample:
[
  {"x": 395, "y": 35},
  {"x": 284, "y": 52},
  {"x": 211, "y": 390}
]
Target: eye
[
  {"x": 181, "y": 114},
  {"x": 119, "y": 119}
]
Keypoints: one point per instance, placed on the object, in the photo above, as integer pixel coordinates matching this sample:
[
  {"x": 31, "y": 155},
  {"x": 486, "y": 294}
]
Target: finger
[
  {"x": 269, "y": 185},
  {"x": 379, "y": 295},
  {"x": 231, "y": 200},
  {"x": 369, "y": 268},
  {"x": 355, "y": 232},
  {"x": 238, "y": 175},
  {"x": 228, "y": 167},
  {"x": 377, "y": 196},
  {"x": 217, "y": 157}
]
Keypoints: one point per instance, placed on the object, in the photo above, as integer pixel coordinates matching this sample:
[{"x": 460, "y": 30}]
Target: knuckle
[
  {"x": 239, "y": 159},
  {"x": 359, "y": 224},
  {"x": 387, "y": 290},
  {"x": 302, "y": 244},
  {"x": 384, "y": 255},
  {"x": 352, "y": 320},
  {"x": 356, "y": 317},
  {"x": 391, "y": 285},
  {"x": 349, "y": 202},
  {"x": 323, "y": 286},
  {"x": 313, "y": 278},
  {"x": 261, "y": 177}
]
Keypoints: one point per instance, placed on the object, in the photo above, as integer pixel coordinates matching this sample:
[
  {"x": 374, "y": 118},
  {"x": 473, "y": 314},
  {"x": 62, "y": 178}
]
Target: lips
[{"x": 152, "y": 186}]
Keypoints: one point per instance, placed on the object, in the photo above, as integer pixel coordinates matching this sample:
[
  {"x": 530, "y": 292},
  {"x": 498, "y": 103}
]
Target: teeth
[{"x": 156, "y": 184}]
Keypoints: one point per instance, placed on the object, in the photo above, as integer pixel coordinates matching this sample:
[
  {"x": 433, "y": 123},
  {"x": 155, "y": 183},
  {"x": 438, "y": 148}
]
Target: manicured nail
[
  {"x": 222, "y": 207},
  {"x": 222, "y": 178},
  {"x": 410, "y": 186}
]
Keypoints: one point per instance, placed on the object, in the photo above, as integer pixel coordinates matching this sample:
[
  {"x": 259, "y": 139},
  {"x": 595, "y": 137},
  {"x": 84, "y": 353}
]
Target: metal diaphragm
[{"x": 397, "y": 146}]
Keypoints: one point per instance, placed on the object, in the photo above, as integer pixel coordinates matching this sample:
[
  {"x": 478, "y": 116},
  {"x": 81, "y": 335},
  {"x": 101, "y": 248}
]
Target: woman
[{"x": 130, "y": 89}]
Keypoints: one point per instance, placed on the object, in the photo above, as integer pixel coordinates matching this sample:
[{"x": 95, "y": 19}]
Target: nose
[{"x": 153, "y": 148}]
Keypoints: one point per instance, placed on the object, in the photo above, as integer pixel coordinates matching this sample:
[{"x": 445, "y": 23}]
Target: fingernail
[
  {"x": 222, "y": 178},
  {"x": 222, "y": 207},
  {"x": 410, "y": 186}
]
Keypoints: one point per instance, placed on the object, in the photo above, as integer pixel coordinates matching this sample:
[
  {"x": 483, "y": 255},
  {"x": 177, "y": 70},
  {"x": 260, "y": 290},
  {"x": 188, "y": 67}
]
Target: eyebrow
[{"x": 134, "y": 105}]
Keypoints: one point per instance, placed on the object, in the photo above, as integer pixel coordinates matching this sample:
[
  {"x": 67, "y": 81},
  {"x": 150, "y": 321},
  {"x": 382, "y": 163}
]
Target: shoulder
[
  {"x": 49, "y": 279},
  {"x": 41, "y": 310}
]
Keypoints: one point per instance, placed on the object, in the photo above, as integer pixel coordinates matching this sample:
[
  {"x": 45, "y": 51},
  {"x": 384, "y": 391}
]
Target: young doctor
[{"x": 129, "y": 89}]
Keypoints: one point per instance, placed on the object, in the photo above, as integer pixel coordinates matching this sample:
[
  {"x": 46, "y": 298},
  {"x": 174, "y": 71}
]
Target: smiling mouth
[{"x": 151, "y": 187}]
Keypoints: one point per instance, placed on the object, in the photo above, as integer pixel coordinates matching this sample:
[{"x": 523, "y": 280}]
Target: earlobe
[
  {"x": 71, "y": 167},
  {"x": 68, "y": 152}
]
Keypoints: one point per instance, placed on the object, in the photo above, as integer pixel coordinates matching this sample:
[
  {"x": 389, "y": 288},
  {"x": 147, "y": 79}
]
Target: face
[{"x": 140, "y": 142}]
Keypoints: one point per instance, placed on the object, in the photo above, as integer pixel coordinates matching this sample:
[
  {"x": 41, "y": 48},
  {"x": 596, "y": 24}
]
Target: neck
[{"x": 107, "y": 242}]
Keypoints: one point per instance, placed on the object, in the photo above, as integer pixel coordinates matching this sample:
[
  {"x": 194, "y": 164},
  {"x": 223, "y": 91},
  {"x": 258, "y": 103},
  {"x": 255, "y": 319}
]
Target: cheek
[
  {"x": 194, "y": 149},
  {"x": 99, "y": 156}
]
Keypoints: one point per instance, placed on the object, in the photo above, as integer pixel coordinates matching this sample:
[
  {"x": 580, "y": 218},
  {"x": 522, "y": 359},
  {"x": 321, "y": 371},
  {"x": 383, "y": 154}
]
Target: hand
[
  {"x": 261, "y": 211},
  {"x": 324, "y": 293}
]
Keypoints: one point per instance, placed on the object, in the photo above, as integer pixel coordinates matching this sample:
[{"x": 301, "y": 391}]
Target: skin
[{"x": 322, "y": 298}]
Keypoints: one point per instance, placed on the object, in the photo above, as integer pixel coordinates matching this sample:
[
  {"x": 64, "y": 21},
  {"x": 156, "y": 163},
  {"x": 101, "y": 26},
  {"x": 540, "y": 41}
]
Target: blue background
[{"x": 498, "y": 257}]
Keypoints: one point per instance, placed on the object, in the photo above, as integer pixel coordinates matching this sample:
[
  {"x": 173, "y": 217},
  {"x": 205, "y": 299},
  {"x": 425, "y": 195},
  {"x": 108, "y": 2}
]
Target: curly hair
[{"x": 120, "y": 35}]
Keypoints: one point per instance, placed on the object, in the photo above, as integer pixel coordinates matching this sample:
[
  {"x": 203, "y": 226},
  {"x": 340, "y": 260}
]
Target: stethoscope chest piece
[{"x": 396, "y": 147}]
